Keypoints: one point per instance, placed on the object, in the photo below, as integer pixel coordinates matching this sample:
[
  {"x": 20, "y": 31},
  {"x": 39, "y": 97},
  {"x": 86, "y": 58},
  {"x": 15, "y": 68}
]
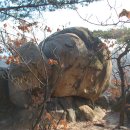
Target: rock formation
[
  {"x": 27, "y": 75},
  {"x": 4, "y": 92},
  {"x": 83, "y": 69}
]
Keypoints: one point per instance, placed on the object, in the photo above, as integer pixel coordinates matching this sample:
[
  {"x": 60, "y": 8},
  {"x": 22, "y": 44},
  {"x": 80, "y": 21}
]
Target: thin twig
[{"x": 22, "y": 60}]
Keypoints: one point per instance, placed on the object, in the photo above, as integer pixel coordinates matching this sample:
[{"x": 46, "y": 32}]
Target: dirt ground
[{"x": 108, "y": 122}]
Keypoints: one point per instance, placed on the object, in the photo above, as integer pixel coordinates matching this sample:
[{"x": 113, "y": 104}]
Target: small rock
[{"x": 88, "y": 112}]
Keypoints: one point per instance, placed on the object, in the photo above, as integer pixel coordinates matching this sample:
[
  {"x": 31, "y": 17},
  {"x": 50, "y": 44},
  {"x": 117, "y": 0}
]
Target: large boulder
[{"x": 84, "y": 66}]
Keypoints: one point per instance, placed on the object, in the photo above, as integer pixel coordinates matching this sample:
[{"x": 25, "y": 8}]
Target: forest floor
[{"x": 108, "y": 122}]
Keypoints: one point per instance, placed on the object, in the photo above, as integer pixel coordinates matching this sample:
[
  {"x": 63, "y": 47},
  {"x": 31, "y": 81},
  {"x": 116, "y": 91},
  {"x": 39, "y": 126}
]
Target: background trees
[
  {"x": 121, "y": 62},
  {"x": 121, "y": 34},
  {"x": 24, "y": 8}
]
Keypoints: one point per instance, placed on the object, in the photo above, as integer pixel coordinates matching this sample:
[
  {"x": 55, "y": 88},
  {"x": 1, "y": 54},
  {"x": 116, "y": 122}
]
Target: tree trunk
[{"x": 122, "y": 78}]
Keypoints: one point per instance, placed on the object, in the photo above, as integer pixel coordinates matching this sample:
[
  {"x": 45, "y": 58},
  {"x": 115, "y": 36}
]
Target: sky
[{"x": 95, "y": 12}]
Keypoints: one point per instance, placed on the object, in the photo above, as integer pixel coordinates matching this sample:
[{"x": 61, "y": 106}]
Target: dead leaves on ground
[
  {"x": 52, "y": 124},
  {"x": 101, "y": 123}
]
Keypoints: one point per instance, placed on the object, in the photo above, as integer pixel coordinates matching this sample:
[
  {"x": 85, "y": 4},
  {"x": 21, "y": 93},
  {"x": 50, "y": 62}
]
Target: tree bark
[{"x": 122, "y": 78}]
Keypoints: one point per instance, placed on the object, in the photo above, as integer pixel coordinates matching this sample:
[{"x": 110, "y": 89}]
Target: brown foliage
[
  {"x": 102, "y": 46},
  {"x": 52, "y": 123},
  {"x": 124, "y": 12},
  {"x": 26, "y": 27},
  {"x": 52, "y": 62},
  {"x": 12, "y": 59},
  {"x": 115, "y": 92}
]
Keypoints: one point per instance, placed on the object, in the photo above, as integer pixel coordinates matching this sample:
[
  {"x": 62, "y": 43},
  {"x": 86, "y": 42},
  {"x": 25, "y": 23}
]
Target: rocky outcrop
[
  {"x": 4, "y": 92},
  {"x": 28, "y": 75},
  {"x": 5, "y": 104},
  {"x": 84, "y": 67},
  {"x": 17, "y": 119}
]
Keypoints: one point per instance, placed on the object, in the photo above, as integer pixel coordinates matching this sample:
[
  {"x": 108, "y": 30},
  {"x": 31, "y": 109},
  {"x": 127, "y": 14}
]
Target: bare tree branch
[{"x": 42, "y": 5}]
